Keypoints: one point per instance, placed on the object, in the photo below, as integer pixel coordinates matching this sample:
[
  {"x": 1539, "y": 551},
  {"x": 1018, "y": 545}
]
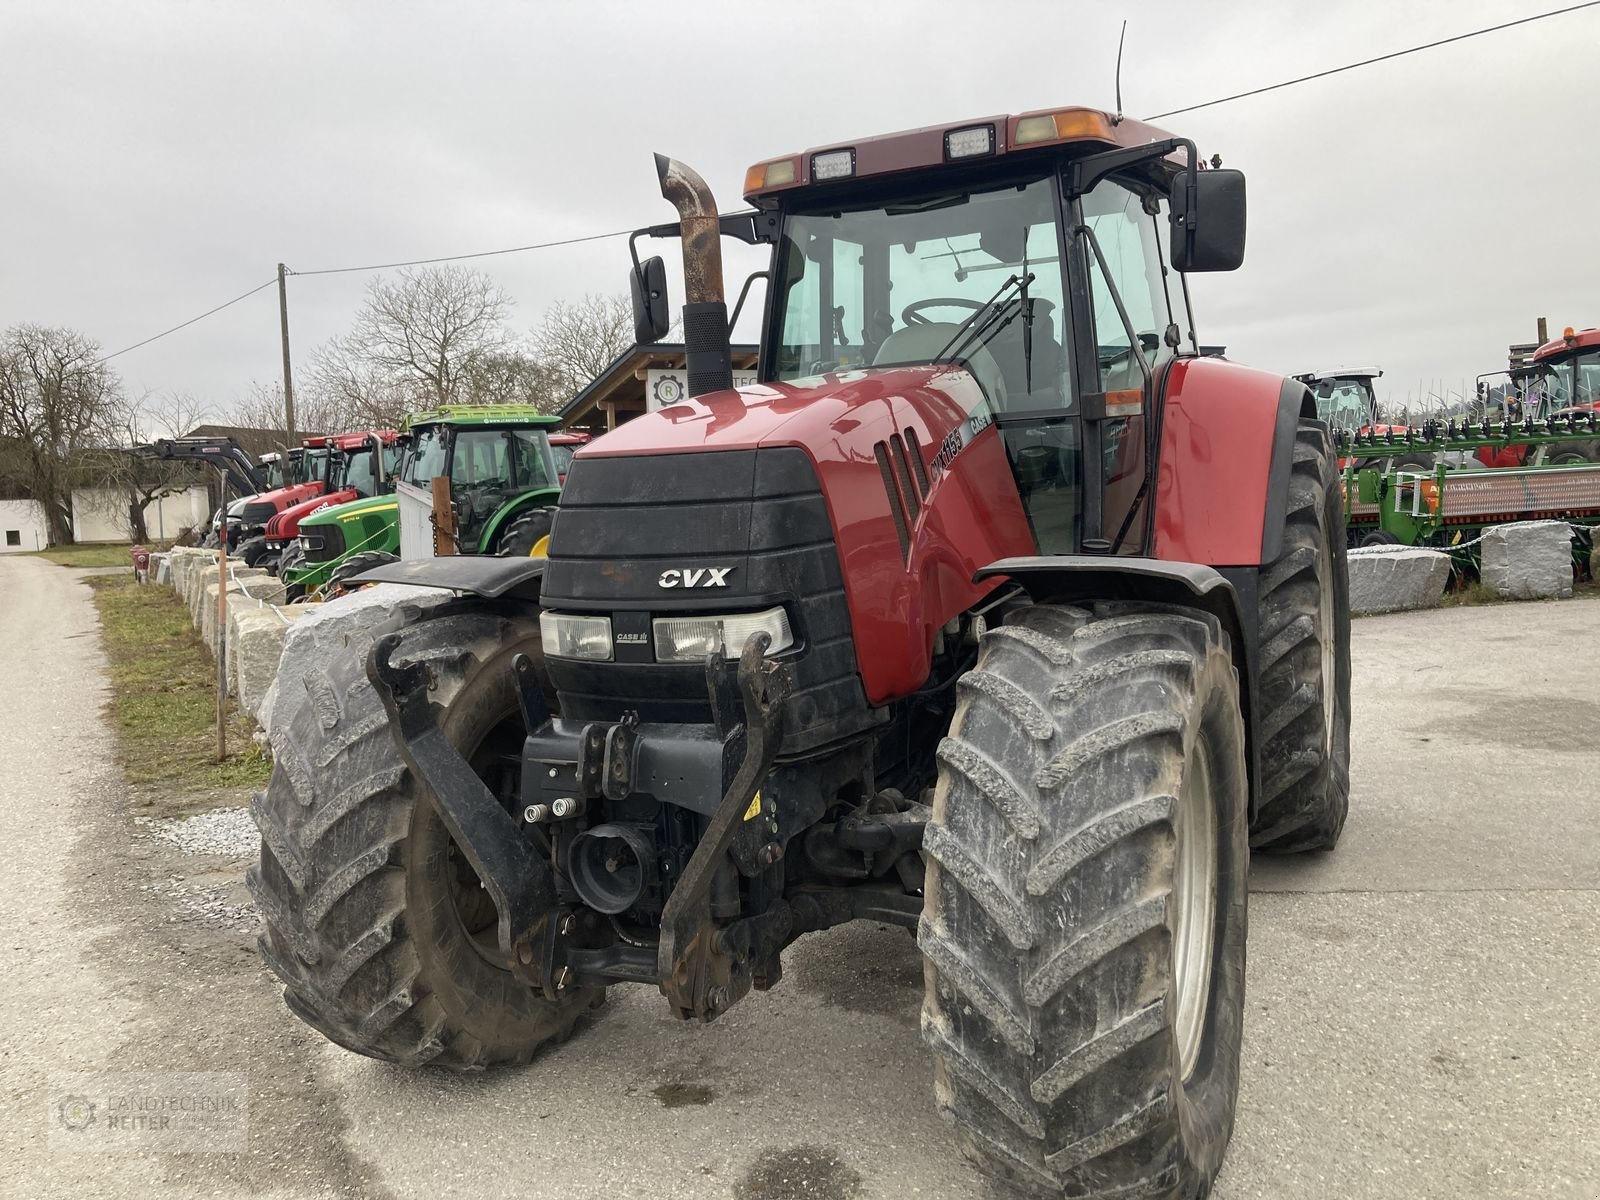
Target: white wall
[
  {"x": 25, "y": 519},
  {"x": 100, "y": 514}
]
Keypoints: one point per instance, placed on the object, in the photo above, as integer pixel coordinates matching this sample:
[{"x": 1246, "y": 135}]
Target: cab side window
[{"x": 1129, "y": 239}]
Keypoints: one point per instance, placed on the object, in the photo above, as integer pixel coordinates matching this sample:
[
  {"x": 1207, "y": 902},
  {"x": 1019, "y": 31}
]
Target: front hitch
[
  {"x": 699, "y": 978},
  {"x": 517, "y": 879}
]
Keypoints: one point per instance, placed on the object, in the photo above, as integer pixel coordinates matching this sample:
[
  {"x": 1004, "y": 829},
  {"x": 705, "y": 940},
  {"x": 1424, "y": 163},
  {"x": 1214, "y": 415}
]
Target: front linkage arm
[
  {"x": 697, "y": 970},
  {"x": 517, "y": 879}
]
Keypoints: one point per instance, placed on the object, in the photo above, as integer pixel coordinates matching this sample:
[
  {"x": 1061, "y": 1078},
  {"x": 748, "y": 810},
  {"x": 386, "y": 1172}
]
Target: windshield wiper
[{"x": 996, "y": 316}]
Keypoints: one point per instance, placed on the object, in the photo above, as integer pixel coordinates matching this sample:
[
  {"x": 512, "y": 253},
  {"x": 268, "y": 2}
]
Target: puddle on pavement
[
  {"x": 799, "y": 1173},
  {"x": 683, "y": 1095}
]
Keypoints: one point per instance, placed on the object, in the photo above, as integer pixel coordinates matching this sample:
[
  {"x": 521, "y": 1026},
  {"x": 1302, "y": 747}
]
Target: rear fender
[
  {"x": 1227, "y": 451},
  {"x": 1229, "y": 594},
  {"x": 543, "y": 498}
]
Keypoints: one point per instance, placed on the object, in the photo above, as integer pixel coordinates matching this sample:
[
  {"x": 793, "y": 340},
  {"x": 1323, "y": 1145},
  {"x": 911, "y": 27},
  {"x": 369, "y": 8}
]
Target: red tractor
[
  {"x": 992, "y": 610},
  {"x": 358, "y": 465},
  {"x": 314, "y": 465},
  {"x": 564, "y": 446}
]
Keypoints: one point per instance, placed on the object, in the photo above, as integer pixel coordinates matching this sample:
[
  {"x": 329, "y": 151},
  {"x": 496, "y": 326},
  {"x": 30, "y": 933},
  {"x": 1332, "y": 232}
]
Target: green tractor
[{"x": 504, "y": 482}]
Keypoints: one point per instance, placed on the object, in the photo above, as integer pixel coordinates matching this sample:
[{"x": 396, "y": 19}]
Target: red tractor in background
[
  {"x": 1562, "y": 380},
  {"x": 357, "y": 465},
  {"x": 564, "y": 446},
  {"x": 309, "y": 468},
  {"x": 992, "y": 610}
]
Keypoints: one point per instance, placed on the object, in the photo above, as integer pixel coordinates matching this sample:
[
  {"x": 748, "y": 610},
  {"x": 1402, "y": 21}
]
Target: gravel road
[{"x": 1421, "y": 1013}]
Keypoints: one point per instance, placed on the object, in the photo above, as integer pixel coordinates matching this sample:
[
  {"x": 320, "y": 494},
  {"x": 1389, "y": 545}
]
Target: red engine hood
[
  {"x": 816, "y": 413},
  {"x": 287, "y": 523}
]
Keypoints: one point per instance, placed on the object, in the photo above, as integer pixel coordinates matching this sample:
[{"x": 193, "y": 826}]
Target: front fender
[
  {"x": 488, "y": 576},
  {"x": 1228, "y": 594}
]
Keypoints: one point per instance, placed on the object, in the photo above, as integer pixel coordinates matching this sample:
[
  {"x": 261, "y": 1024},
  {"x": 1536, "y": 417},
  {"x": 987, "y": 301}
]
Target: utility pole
[
  {"x": 1544, "y": 331},
  {"x": 288, "y": 376}
]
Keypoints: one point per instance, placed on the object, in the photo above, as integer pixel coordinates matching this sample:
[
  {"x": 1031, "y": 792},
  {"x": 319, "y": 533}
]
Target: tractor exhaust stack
[{"x": 709, "y": 362}]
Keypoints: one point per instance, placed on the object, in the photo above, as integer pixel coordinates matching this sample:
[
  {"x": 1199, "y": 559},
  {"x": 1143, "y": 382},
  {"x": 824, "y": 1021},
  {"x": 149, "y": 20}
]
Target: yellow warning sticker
[{"x": 754, "y": 811}]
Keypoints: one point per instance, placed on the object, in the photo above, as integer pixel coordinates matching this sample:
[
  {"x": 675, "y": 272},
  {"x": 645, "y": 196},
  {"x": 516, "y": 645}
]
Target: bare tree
[
  {"x": 513, "y": 376},
  {"x": 57, "y": 402},
  {"x": 316, "y": 409},
  {"x": 420, "y": 334},
  {"x": 576, "y": 342}
]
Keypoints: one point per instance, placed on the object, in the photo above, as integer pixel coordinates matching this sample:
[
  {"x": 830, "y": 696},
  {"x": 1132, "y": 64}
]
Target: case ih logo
[{"x": 695, "y": 577}]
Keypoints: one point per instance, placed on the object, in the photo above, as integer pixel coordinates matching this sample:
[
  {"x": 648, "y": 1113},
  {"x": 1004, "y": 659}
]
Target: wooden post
[
  {"x": 222, "y": 644},
  {"x": 288, "y": 376},
  {"x": 444, "y": 518}
]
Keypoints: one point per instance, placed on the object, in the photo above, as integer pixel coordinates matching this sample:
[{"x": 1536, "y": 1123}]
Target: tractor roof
[
  {"x": 1342, "y": 373},
  {"x": 481, "y": 414},
  {"x": 957, "y": 143},
  {"x": 1570, "y": 339}
]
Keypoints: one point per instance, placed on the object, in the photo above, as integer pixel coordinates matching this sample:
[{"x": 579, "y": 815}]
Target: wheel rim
[{"x": 1194, "y": 894}]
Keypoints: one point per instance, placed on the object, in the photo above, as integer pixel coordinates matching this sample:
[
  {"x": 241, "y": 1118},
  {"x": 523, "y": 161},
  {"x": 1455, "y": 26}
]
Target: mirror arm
[
  {"x": 1084, "y": 173},
  {"x": 743, "y": 292}
]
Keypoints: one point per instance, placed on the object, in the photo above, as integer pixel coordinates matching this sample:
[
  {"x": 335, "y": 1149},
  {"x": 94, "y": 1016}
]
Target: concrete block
[
  {"x": 207, "y": 626},
  {"x": 256, "y": 637},
  {"x": 258, "y": 588},
  {"x": 337, "y": 629},
  {"x": 1383, "y": 579},
  {"x": 1528, "y": 560},
  {"x": 201, "y": 579}
]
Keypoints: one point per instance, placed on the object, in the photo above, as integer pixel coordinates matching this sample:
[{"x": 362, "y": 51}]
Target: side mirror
[
  {"x": 1211, "y": 238},
  {"x": 651, "y": 309}
]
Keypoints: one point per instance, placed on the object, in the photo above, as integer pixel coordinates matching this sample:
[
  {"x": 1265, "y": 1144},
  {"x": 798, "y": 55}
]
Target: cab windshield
[
  {"x": 952, "y": 276},
  {"x": 427, "y": 456},
  {"x": 320, "y": 466},
  {"x": 360, "y": 473},
  {"x": 1567, "y": 383},
  {"x": 1345, "y": 404}
]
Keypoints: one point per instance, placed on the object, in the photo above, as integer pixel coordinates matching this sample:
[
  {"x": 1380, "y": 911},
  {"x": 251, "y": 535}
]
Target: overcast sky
[{"x": 159, "y": 158}]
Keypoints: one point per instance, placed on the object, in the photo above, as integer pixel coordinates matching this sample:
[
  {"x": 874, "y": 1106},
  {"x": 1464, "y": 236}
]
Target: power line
[
  {"x": 596, "y": 237},
  {"x": 426, "y": 262},
  {"x": 209, "y": 312},
  {"x": 1367, "y": 62}
]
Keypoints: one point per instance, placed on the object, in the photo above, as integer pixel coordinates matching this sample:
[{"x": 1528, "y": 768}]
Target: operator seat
[{"x": 920, "y": 343}]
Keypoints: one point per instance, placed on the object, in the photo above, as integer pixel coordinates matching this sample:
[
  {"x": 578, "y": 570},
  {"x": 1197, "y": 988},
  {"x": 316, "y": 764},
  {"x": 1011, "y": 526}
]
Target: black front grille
[
  {"x": 326, "y": 542},
  {"x": 252, "y": 515},
  {"x": 758, "y": 514}
]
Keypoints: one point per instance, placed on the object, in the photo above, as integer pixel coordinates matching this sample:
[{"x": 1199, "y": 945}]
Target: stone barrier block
[
  {"x": 1528, "y": 560},
  {"x": 1383, "y": 579}
]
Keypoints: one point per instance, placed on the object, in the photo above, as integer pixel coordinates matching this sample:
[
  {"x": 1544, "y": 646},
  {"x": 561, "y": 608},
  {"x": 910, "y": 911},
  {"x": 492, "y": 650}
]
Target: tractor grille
[
  {"x": 254, "y": 515},
  {"x": 326, "y": 542},
  {"x": 624, "y": 521}
]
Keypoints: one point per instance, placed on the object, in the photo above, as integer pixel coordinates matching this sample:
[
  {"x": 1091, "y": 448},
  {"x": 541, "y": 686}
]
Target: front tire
[
  {"x": 376, "y": 926},
  {"x": 1303, "y": 700},
  {"x": 253, "y": 549},
  {"x": 1084, "y": 923},
  {"x": 339, "y": 578}
]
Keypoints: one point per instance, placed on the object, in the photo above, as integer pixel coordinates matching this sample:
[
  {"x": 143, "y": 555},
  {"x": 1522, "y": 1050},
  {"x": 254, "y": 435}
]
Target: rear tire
[
  {"x": 356, "y": 564},
  {"x": 1303, "y": 700},
  {"x": 377, "y": 929},
  {"x": 520, "y": 538},
  {"x": 1083, "y": 1009}
]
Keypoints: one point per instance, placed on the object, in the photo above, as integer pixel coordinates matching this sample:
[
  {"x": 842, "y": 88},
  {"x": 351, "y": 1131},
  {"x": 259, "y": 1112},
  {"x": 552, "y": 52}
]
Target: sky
[{"x": 158, "y": 159}]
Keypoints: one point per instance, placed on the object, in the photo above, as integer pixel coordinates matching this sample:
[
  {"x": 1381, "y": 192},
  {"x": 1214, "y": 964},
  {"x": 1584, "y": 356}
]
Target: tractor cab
[
  {"x": 1567, "y": 377},
  {"x": 1346, "y": 399},
  {"x": 492, "y": 455},
  {"x": 1034, "y": 256}
]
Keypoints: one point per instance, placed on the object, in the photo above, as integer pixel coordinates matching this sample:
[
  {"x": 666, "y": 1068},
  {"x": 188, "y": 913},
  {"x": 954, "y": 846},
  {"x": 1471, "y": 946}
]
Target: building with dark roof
[{"x": 639, "y": 379}]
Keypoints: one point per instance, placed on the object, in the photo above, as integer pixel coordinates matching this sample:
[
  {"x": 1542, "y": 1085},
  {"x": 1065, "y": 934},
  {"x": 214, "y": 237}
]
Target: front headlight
[
  {"x": 566, "y": 635},
  {"x": 690, "y": 639}
]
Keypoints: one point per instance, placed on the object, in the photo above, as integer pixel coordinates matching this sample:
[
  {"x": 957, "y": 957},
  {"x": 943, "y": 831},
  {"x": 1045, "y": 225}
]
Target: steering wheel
[{"x": 911, "y": 314}]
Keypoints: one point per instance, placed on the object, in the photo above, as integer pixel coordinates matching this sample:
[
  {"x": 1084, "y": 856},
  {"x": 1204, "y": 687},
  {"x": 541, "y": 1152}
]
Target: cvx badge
[{"x": 694, "y": 577}]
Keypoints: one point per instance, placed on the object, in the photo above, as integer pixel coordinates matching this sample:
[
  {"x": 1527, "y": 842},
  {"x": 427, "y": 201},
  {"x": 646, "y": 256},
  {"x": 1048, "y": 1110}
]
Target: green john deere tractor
[{"x": 504, "y": 483}]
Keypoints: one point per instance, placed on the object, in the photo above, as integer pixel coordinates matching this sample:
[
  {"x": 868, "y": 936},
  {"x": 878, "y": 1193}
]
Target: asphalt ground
[{"x": 1421, "y": 1019}]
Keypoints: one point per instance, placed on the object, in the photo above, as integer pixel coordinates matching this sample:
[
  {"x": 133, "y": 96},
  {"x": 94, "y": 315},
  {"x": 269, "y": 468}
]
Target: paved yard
[{"x": 1421, "y": 1018}]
